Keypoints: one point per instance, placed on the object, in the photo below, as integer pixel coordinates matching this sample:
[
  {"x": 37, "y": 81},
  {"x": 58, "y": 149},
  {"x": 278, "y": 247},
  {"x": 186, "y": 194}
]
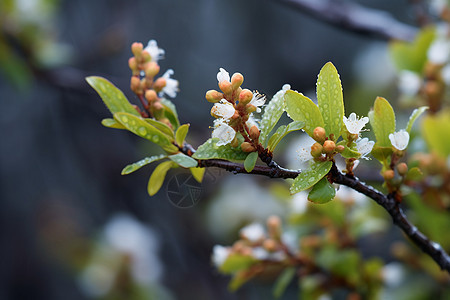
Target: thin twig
[{"x": 356, "y": 18}]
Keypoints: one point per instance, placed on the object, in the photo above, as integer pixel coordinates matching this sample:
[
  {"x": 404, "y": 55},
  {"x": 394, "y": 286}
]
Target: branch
[{"x": 356, "y": 18}]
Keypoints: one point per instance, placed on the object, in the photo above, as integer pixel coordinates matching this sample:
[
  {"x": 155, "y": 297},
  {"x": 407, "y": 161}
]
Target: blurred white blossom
[
  {"x": 155, "y": 52},
  {"x": 409, "y": 83},
  {"x": 253, "y": 232},
  {"x": 399, "y": 139}
]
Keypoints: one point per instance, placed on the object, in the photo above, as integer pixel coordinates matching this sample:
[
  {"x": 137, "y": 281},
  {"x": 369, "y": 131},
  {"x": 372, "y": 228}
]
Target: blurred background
[{"x": 68, "y": 219}]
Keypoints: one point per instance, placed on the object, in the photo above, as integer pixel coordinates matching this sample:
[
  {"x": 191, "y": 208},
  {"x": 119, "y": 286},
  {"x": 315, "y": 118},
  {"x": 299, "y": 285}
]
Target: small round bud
[
  {"x": 329, "y": 146},
  {"x": 247, "y": 147},
  {"x": 151, "y": 69},
  {"x": 166, "y": 121},
  {"x": 274, "y": 227},
  {"x": 150, "y": 95},
  {"x": 270, "y": 245},
  {"x": 213, "y": 96},
  {"x": 225, "y": 86},
  {"x": 135, "y": 84},
  {"x": 236, "y": 80},
  {"x": 402, "y": 169},
  {"x": 249, "y": 108},
  {"x": 316, "y": 150},
  {"x": 157, "y": 105},
  {"x": 388, "y": 174},
  {"x": 245, "y": 96},
  {"x": 132, "y": 63},
  {"x": 319, "y": 134},
  {"x": 136, "y": 48},
  {"x": 340, "y": 148},
  {"x": 235, "y": 142},
  {"x": 254, "y": 133},
  {"x": 146, "y": 57},
  {"x": 159, "y": 84}
]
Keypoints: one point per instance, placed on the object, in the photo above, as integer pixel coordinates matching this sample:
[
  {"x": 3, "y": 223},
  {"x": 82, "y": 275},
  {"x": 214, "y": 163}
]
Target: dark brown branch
[{"x": 356, "y": 18}]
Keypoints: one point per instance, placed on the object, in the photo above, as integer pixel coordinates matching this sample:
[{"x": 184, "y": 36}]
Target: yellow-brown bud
[
  {"x": 146, "y": 57},
  {"x": 225, "y": 86},
  {"x": 270, "y": 245},
  {"x": 159, "y": 84},
  {"x": 235, "y": 142},
  {"x": 135, "y": 84},
  {"x": 254, "y": 133},
  {"x": 319, "y": 134},
  {"x": 340, "y": 148},
  {"x": 236, "y": 80},
  {"x": 132, "y": 63},
  {"x": 213, "y": 96},
  {"x": 150, "y": 95},
  {"x": 247, "y": 147},
  {"x": 402, "y": 169},
  {"x": 316, "y": 150},
  {"x": 136, "y": 48},
  {"x": 274, "y": 227},
  {"x": 151, "y": 69},
  {"x": 329, "y": 146},
  {"x": 245, "y": 97},
  {"x": 157, "y": 106},
  {"x": 388, "y": 174},
  {"x": 249, "y": 108}
]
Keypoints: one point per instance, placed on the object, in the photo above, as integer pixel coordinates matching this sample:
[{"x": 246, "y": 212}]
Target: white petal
[
  {"x": 439, "y": 52},
  {"x": 171, "y": 87},
  {"x": 223, "y": 75},
  {"x": 399, "y": 139},
  {"x": 364, "y": 147},
  {"x": 258, "y": 100},
  {"x": 220, "y": 255},
  {"x": 223, "y": 132},
  {"x": 355, "y": 125},
  {"x": 155, "y": 52},
  {"x": 224, "y": 109},
  {"x": 253, "y": 232},
  {"x": 409, "y": 83}
]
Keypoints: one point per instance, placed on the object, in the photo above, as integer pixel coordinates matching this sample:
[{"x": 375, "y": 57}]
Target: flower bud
[
  {"x": 274, "y": 227},
  {"x": 245, "y": 96},
  {"x": 225, "y": 86},
  {"x": 270, "y": 245},
  {"x": 136, "y": 48},
  {"x": 235, "y": 142},
  {"x": 402, "y": 169},
  {"x": 150, "y": 95},
  {"x": 135, "y": 84},
  {"x": 254, "y": 133},
  {"x": 151, "y": 69},
  {"x": 319, "y": 134},
  {"x": 247, "y": 147},
  {"x": 159, "y": 84},
  {"x": 158, "y": 106},
  {"x": 250, "y": 108},
  {"x": 388, "y": 174},
  {"x": 316, "y": 150},
  {"x": 132, "y": 63},
  {"x": 146, "y": 57},
  {"x": 236, "y": 80},
  {"x": 340, "y": 148},
  {"x": 213, "y": 96},
  {"x": 329, "y": 146}
]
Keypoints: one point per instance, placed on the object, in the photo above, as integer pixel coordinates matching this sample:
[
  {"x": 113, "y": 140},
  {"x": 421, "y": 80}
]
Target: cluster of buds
[
  {"x": 233, "y": 109},
  {"x": 324, "y": 148},
  {"x": 144, "y": 67}
]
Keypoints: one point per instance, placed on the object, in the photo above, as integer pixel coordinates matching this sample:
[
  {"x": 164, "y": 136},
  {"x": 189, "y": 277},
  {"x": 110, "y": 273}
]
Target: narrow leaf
[
  {"x": 183, "y": 160},
  {"x": 322, "y": 192},
  {"x": 161, "y": 127},
  {"x": 282, "y": 131},
  {"x": 330, "y": 99},
  {"x": 283, "y": 281},
  {"x": 382, "y": 120},
  {"x": 143, "y": 162},
  {"x": 157, "y": 179},
  {"x": 170, "y": 112},
  {"x": 210, "y": 150},
  {"x": 414, "y": 116},
  {"x": 272, "y": 113},
  {"x": 237, "y": 262},
  {"x": 181, "y": 134},
  {"x": 250, "y": 161},
  {"x": 198, "y": 173},
  {"x": 301, "y": 108},
  {"x": 143, "y": 129},
  {"x": 113, "y": 98},
  {"x": 111, "y": 123},
  {"x": 311, "y": 176}
]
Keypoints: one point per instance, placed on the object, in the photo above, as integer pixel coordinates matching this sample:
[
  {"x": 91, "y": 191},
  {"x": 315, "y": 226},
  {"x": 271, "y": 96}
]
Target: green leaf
[
  {"x": 157, "y": 179},
  {"x": 282, "y": 131},
  {"x": 283, "y": 281},
  {"x": 272, "y": 113},
  {"x": 161, "y": 127},
  {"x": 311, "y": 176},
  {"x": 143, "y": 162},
  {"x": 183, "y": 160},
  {"x": 237, "y": 262},
  {"x": 170, "y": 112},
  {"x": 140, "y": 127},
  {"x": 250, "y": 161},
  {"x": 413, "y": 56},
  {"x": 113, "y": 98},
  {"x": 301, "y": 108},
  {"x": 330, "y": 99},
  {"x": 181, "y": 134},
  {"x": 111, "y": 123},
  {"x": 435, "y": 130},
  {"x": 382, "y": 120},
  {"x": 322, "y": 192},
  {"x": 210, "y": 150},
  {"x": 414, "y": 174},
  {"x": 198, "y": 173},
  {"x": 414, "y": 116},
  {"x": 382, "y": 154},
  {"x": 349, "y": 152}
]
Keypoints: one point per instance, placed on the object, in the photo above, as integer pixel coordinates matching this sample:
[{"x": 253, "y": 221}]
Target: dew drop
[
  {"x": 311, "y": 179},
  {"x": 142, "y": 131},
  {"x": 325, "y": 106},
  {"x": 323, "y": 89},
  {"x": 297, "y": 110},
  {"x": 124, "y": 119},
  {"x": 155, "y": 138}
]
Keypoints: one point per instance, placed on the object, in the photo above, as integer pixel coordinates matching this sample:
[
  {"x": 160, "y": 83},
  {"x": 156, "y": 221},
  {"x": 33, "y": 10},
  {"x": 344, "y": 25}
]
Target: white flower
[
  {"x": 399, "y": 139},
  {"x": 439, "y": 52},
  {"x": 253, "y": 232},
  {"x": 223, "y": 109},
  {"x": 155, "y": 52},
  {"x": 223, "y": 75},
  {"x": 299, "y": 203},
  {"x": 224, "y": 132},
  {"x": 220, "y": 255},
  {"x": 393, "y": 274},
  {"x": 409, "y": 83},
  {"x": 304, "y": 152},
  {"x": 364, "y": 147},
  {"x": 258, "y": 100},
  {"x": 353, "y": 124},
  {"x": 171, "y": 87}
]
